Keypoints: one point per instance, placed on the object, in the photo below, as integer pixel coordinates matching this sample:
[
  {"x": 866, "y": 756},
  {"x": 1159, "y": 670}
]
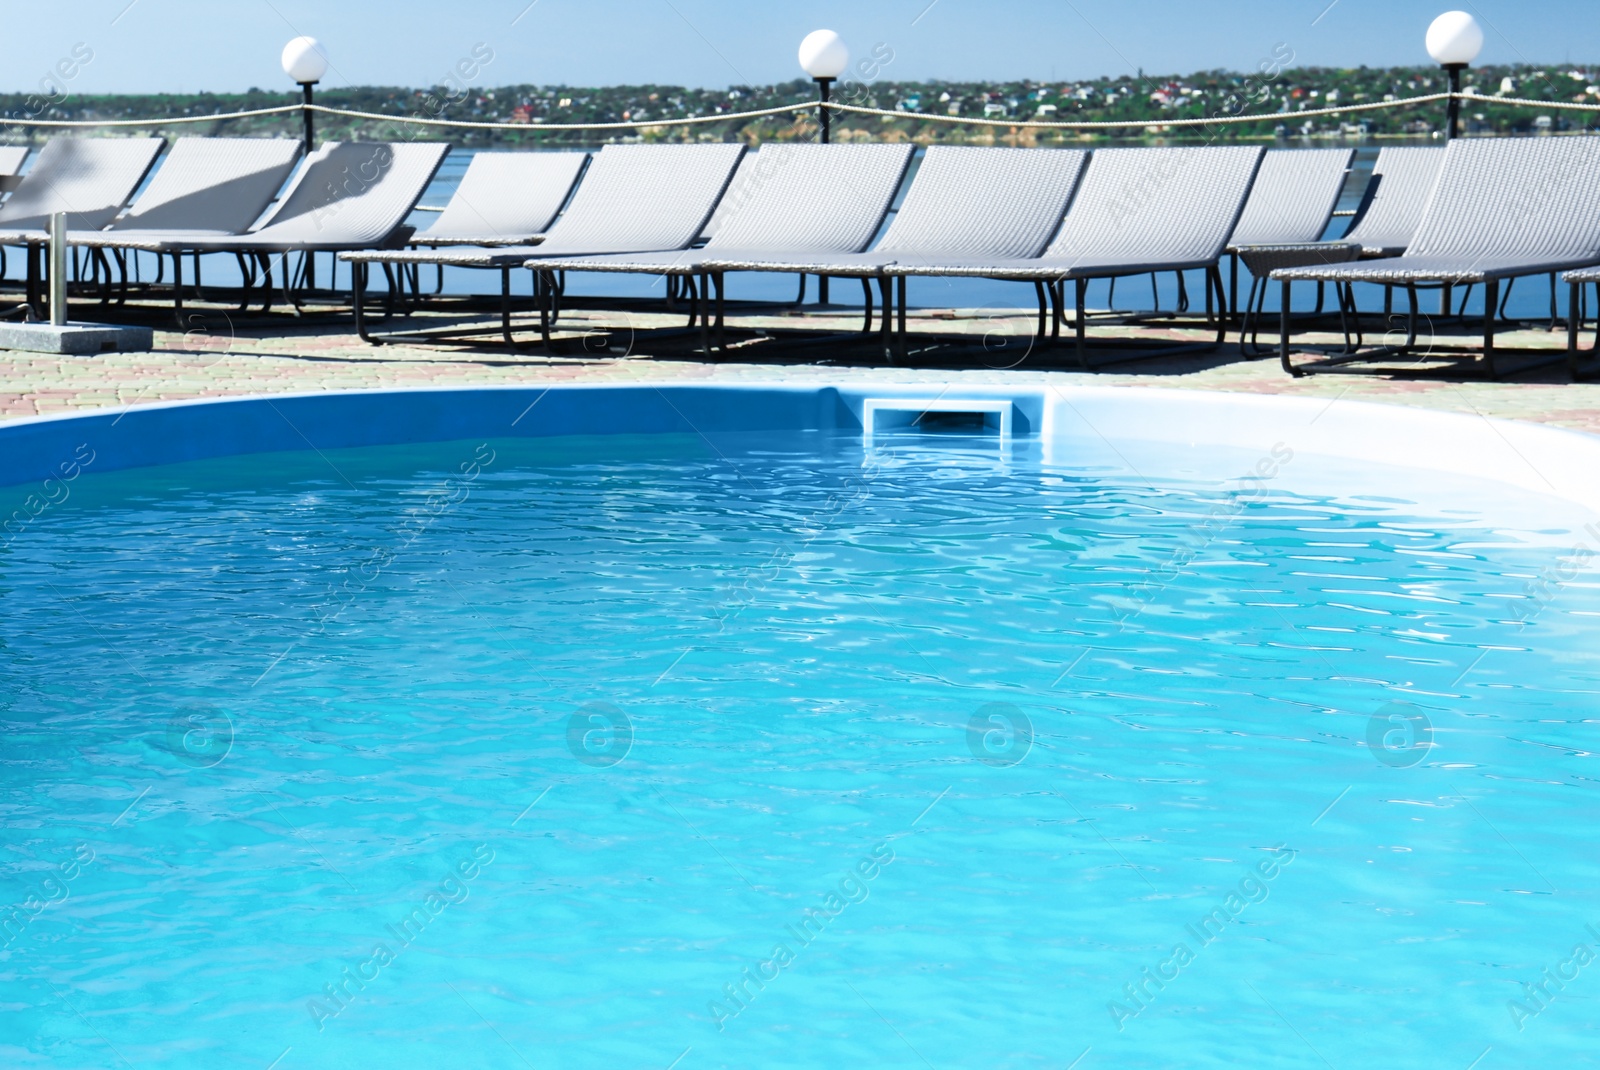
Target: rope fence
[{"x": 789, "y": 109}]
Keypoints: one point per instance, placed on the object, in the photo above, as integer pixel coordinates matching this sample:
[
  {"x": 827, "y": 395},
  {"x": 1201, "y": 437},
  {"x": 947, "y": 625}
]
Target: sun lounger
[
  {"x": 204, "y": 186},
  {"x": 347, "y": 195},
  {"x": 1292, "y": 202},
  {"x": 90, "y": 179},
  {"x": 1136, "y": 211},
  {"x": 632, "y": 199},
  {"x": 1502, "y": 208},
  {"x": 1293, "y": 197},
  {"x": 1402, "y": 179},
  {"x": 964, "y": 202},
  {"x": 505, "y": 198},
  {"x": 802, "y": 200}
]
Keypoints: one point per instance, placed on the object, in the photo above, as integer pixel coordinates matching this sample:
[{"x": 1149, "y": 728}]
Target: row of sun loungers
[{"x": 1483, "y": 211}]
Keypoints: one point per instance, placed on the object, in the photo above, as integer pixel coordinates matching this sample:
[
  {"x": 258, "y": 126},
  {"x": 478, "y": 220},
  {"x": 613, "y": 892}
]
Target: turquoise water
[{"x": 616, "y": 752}]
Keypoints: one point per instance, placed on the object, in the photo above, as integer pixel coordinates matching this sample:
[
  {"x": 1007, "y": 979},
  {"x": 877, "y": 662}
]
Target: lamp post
[
  {"x": 304, "y": 61},
  {"x": 1454, "y": 41},
  {"x": 823, "y": 56}
]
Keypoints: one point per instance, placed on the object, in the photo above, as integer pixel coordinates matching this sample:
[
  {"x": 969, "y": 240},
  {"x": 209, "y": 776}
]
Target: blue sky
[{"x": 187, "y": 45}]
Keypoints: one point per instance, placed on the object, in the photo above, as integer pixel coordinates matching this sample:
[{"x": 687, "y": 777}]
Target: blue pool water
[{"x": 766, "y": 752}]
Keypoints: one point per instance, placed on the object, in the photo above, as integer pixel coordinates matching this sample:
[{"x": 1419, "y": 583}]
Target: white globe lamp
[
  {"x": 1454, "y": 41},
  {"x": 823, "y": 56},
  {"x": 305, "y": 62}
]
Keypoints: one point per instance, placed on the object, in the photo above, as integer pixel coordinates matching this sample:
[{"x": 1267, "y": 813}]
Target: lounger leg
[
  {"x": 866, "y": 299},
  {"x": 1283, "y": 332},
  {"x": 1349, "y": 316},
  {"x": 1583, "y": 310},
  {"x": 900, "y": 317},
  {"x": 35, "y": 269},
  {"x": 358, "y": 283},
  {"x": 800, "y": 298},
  {"x": 1079, "y": 286},
  {"x": 102, "y": 272},
  {"x": 701, "y": 304},
  {"x": 1233, "y": 285},
  {"x": 247, "y": 277},
  {"x": 394, "y": 280},
  {"x": 177, "y": 289},
  {"x": 886, "y": 299},
  {"x": 822, "y": 289},
  {"x": 267, "y": 284},
  {"x": 546, "y": 291},
  {"x": 1491, "y": 298},
  {"x": 1444, "y": 300},
  {"x": 1249, "y": 323},
  {"x": 1573, "y": 324},
  {"x": 691, "y": 295},
  {"x": 722, "y": 332},
  {"x": 1214, "y": 312},
  {"x": 505, "y": 307},
  {"x": 1411, "y": 320},
  {"x": 1044, "y": 309}
]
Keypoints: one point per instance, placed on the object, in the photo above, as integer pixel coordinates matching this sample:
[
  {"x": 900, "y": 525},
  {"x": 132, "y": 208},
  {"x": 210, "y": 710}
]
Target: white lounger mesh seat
[
  {"x": 205, "y": 186},
  {"x": 1293, "y": 198},
  {"x": 1292, "y": 202},
  {"x": 347, "y": 195},
  {"x": 1403, "y": 178},
  {"x": 12, "y": 158},
  {"x": 633, "y": 198},
  {"x": 1385, "y": 222},
  {"x": 1136, "y": 211},
  {"x": 1502, "y": 208},
  {"x": 795, "y": 199},
  {"x": 800, "y": 199},
  {"x": 505, "y": 198},
  {"x": 90, "y": 179},
  {"x": 964, "y": 202}
]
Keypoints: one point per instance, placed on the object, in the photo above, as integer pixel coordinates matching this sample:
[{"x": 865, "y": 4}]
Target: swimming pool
[{"x": 743, "y": 742}]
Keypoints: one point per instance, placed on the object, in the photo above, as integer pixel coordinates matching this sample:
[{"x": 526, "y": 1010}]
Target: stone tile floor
[{"x": 223, "y": 355}]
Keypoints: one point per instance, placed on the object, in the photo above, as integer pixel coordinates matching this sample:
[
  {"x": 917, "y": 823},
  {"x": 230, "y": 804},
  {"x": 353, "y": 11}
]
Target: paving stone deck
[{"x": 223, "y": 357}]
